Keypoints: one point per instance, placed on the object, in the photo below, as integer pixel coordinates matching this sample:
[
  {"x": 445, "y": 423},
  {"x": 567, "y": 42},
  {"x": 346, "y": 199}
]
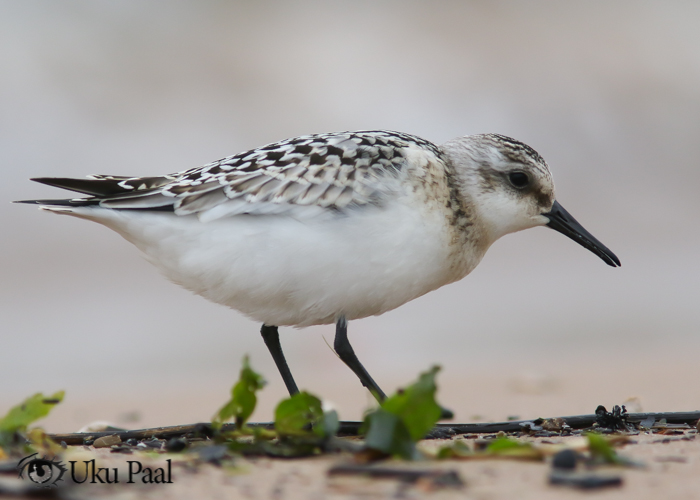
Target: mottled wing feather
[{"x": 325, "y": 171}]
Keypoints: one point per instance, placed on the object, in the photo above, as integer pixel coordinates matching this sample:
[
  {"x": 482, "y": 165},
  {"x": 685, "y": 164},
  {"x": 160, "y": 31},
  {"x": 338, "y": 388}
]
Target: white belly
[{"x": 285, "y": 271}]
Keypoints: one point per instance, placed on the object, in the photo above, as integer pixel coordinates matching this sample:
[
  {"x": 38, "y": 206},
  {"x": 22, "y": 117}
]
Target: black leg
[
  {"x": 347, "y": 354},
  {"x": 272, "y": 340}
]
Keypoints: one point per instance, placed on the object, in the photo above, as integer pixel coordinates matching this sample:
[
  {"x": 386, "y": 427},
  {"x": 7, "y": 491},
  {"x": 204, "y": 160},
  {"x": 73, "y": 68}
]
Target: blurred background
[{"x": 607, "y": 92}]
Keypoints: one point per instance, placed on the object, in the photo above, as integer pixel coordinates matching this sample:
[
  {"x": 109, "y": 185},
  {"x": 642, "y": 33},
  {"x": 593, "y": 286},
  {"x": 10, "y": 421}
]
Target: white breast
[{"x": 283, "y": 270}]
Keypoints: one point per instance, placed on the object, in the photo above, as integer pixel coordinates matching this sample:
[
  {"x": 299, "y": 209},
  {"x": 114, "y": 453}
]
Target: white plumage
[{"x": 281, "y": 270}]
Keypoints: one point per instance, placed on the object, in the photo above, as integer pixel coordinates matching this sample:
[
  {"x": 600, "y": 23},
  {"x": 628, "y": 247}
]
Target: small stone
[
  {"x": 530, "y": 426},
  {"x": 554, "y": 424},
  {"x": 107, "y": 441},
  {"x": 481, "y": 444},
  {"x": 565, "y": 459},
  {"x": 214, "y": 454},
  {"x": 122, "y": 448},
  {"x": 440, "y": 433},
  {"x": 176, "y": 444},
  {"x": 647, "y": 423},
  {"x": 545, "y": 434},
  {"x": 203, "y": 430},
  {"x": 152, "y": 443}
]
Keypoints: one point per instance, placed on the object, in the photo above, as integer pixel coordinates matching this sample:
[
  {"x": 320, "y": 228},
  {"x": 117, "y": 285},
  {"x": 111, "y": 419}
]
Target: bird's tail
[{"x": 105, "y": 188}]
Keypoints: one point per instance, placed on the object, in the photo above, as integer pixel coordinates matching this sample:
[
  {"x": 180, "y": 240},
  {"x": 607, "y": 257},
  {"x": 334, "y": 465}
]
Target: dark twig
[{"x": 353, "y": 428}]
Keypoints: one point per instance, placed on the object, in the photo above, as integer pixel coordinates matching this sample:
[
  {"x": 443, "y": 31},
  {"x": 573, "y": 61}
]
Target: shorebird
[{"x": 323, "y": 229}]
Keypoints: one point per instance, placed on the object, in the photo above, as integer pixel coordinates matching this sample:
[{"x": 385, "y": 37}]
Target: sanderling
[{"x": 328, "y": 228}]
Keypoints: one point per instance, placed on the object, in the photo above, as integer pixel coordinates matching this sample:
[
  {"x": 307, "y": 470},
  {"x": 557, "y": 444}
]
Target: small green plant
[
  {"x": 404, "y": 418},
  {"x": 512, "y": 448},
  {"x": 303, "y": 413},
  {"x": 243, "y": 398},
  {"x": 14, "y": 425},
  {"x": 301, "y": 425}
]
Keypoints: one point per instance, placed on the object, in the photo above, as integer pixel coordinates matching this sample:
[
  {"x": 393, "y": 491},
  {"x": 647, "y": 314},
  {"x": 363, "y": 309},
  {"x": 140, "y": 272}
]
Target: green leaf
[
  {"x": 31, "y": 409},
  {"x": 511, "y": 448},
  {"x": 416, "y": 406},
  {"x": 243, "y": 397},
  {"x": 298, "y": 415},
  {"x": 456, "y": 449},
  {"x": 388, "y": 434},
  {"x": 329, "y": 424},
  {"x": 601, "y": 448},
  {"x": 17, "y": 420},
  {"x": 404, "y": 418}
]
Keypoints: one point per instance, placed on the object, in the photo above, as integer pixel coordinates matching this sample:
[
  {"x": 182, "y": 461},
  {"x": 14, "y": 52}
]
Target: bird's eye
[{"x": 519, "y": 179}]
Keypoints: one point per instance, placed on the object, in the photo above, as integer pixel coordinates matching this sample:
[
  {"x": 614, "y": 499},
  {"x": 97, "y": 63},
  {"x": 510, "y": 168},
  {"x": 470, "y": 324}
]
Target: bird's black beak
[{"x": 560, "y": 220}]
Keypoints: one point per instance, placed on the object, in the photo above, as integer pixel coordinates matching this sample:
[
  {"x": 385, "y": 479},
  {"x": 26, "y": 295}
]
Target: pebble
[
  {"x": 107, "y": 441},
  {"x": 565, "y": 459},
  {"x": 176, "y": 444}
]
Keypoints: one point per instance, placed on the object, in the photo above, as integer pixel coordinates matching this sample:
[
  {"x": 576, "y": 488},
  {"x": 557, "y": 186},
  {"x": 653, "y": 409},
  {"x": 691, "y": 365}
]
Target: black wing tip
[
  {"x": 88, "y": 186},
  {"x": 49, "y": 181},
  {"x": 99, "y": 190},
  {"x": 61, "y": 203}
]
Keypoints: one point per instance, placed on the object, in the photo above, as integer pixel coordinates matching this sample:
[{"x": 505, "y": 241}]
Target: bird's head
[{"x": 512, "y": 189}]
